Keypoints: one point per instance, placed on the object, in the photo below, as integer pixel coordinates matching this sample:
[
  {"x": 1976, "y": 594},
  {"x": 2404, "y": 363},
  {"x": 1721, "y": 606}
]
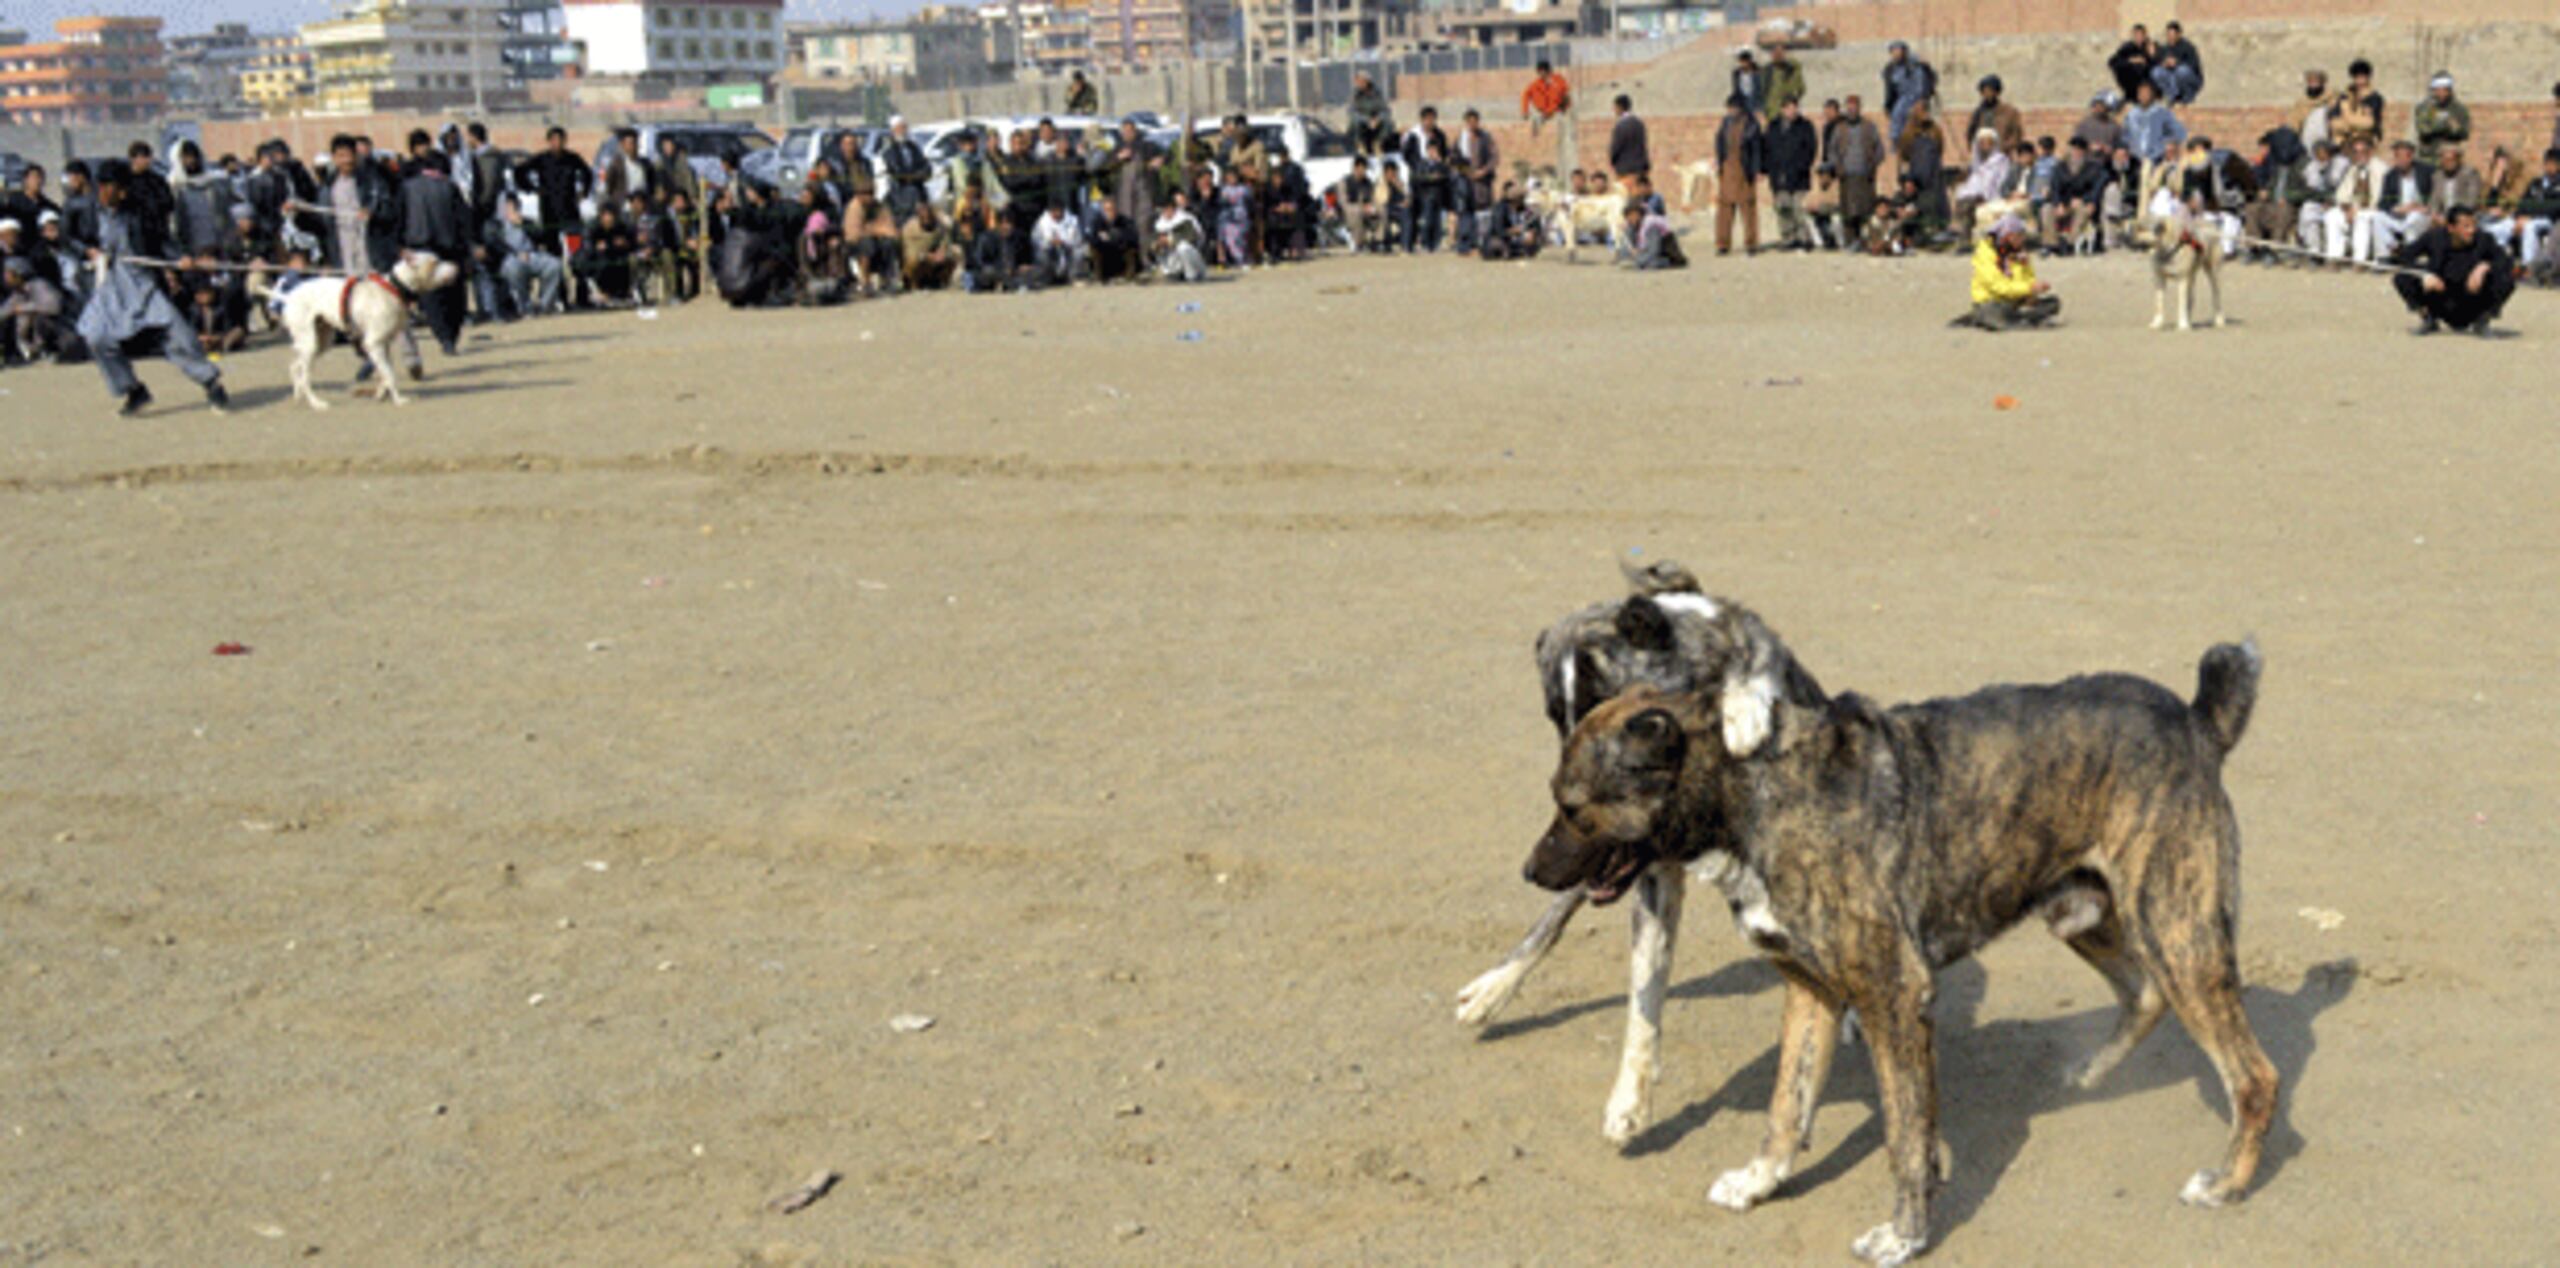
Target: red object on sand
[{"x": 231, "y": 649}]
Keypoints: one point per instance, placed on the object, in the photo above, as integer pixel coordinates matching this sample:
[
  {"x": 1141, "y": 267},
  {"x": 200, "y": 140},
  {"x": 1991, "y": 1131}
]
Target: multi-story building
[
  {"x": 1324, "y": 29},
  {"x": 276, "y": 80},
  {"x": 1527, "y": 22},
  {"x": 1051, "y": 37},
  {"x": 388, "y": 56},
  {"x": 101, "y": 70},
  {"x": 678, "y": 41},
  {"x": 1129, "y": 34},
  {"x": 204, "y": 68},
  {"x": 913, "y": 54},
  {"x": 536, "y": 45}
]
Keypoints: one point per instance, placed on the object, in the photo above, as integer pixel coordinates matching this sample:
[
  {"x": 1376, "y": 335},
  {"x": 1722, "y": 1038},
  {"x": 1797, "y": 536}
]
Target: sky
[{"x": 188, "y": 16}]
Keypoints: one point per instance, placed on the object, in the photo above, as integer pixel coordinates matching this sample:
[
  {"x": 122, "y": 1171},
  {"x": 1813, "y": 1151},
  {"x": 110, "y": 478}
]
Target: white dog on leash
[
  {"x": 371, "y": 309},
  {"x": 2183, "y": 246}
]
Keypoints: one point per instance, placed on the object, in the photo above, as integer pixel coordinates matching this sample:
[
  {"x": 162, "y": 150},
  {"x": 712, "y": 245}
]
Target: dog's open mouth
[{"x": 1612, "y": 885}]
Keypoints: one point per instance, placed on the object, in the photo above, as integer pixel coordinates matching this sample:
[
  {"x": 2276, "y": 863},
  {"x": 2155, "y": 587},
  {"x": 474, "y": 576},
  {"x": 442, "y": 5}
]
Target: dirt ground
[{"x": 652, "y": 710}]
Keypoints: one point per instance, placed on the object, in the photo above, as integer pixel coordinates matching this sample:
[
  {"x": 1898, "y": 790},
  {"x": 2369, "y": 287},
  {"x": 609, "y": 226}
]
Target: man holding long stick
[{"x": 129, "y": 315}]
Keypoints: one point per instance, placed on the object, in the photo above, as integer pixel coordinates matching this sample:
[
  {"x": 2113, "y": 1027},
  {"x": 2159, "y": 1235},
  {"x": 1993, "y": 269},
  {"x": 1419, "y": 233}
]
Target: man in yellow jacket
[{"x": 2006, "y": 294}]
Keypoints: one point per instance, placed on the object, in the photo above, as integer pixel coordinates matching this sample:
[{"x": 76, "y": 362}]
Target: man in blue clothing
[{"x": 129, "y": 315}]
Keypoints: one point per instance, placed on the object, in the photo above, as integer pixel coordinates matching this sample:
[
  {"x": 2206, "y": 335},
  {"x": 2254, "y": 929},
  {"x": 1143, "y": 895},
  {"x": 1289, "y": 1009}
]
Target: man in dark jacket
[
  {"x": 1373, "y": 124},
  {"x": 910, "y": 172},
  {"x": 1790, "y": 148},
  {"x": 1738, "y": 165},
  {"x": 27, "y": 204},
  {"x": 149, "y": 204},
  {"x": 558, "y": 180},
  {"x": 2133, "y": 60},
  {"x": 435, "y": 219},
  {"x": 2179, "y": 70},
  {"x": 1628, "y": 157},
  {"x": 2464, "y": 278},
  {"x": 1113, "y": 240}
]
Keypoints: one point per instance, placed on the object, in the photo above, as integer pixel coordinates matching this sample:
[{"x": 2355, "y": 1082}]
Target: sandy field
[{"x": 652, "y": 710}]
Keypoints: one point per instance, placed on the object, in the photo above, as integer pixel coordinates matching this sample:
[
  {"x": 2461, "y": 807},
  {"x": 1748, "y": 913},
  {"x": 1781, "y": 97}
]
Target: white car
[{"x": 1322, "y": 152}]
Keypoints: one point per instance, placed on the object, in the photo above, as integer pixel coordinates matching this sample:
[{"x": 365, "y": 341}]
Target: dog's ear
[
  {"x": 1747, "y": 700},
  {"x": 1644, "y": 625},
  {"x": 1662, "y": 576}
]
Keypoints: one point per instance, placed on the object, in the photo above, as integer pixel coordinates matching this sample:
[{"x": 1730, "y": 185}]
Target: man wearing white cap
[{"x": 2441, "y": 120}]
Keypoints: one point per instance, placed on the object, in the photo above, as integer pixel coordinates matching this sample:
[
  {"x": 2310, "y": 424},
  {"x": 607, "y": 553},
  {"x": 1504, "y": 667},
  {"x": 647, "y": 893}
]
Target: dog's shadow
[{"x": 1995, "y": 1080}]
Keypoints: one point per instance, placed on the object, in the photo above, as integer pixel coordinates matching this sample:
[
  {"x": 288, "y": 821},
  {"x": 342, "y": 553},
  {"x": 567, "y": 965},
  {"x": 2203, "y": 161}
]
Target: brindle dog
[{"x": 1862, "y": 849}]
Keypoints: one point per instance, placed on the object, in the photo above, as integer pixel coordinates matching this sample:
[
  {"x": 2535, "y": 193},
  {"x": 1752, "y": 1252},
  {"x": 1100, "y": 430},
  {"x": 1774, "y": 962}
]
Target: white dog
[
  {"x": 1568, "y": 218},
  {"x": 371, "y": 309},
  {"x": 2182, "y": 245}
]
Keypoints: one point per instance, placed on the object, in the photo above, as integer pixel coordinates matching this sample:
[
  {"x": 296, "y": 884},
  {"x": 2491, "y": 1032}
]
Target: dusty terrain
[{"x": 653, "y": 709}]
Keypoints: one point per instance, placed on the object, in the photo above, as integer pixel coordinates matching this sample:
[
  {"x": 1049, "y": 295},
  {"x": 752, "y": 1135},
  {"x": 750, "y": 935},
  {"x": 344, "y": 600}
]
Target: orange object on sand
[{"x": 2004, "y": 402}]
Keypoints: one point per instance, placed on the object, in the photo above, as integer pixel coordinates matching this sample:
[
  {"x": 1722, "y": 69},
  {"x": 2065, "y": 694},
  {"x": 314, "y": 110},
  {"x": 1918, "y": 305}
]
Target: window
[
  {"x": 764, "y": 21},
  {"x": 693, "y": 49},
  {"x": 764, "y": 49},
  {"x": 666, "y": 50},
  {"x": 739, "y": 50},
  {"x": 692, "y": 17}
]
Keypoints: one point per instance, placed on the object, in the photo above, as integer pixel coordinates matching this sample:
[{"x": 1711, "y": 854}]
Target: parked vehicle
[
  {"x": 786, "y": 165},
  {"x": 1324, "y": 153},
  {"x": 704, "y": 146}
]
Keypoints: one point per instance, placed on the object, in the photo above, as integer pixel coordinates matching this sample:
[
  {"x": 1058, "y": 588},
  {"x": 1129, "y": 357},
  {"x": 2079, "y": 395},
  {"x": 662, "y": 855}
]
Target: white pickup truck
[{"x": 1324, "y": 153}]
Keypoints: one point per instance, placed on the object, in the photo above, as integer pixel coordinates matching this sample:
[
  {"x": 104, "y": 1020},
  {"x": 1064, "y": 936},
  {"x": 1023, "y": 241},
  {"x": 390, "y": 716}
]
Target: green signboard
[{"x": 734, "y": 97}]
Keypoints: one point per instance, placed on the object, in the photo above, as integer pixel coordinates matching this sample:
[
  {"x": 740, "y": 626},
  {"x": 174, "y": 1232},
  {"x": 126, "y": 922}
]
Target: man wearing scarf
[{"x": 2006, "y": 294}]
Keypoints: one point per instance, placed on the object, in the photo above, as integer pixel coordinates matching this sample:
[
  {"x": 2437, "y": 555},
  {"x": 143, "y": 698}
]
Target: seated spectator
[
  {"x": 2006, "y": 294},
  {"x": 1355, "y": 200},
  {"x": 2537, "y": 209},
  {"x": 926, "y": 245},
  {"x": 821, "y": 256},
  {"x": 1058, "y": 246},
  {"x": 1903, "y": 221},
  {"x": 995, "y": 263},
  {"x": 2216, "y": 183},
  {"x": 1985, "y": 183},
  {"x": 2456, "y": 184},
  {"x": 1287, "y": 222},
  {"x": 2274, "y": 215},
  {"x": 606, "y": 255},
  {"x": 1640, "y": 193},
  {"x": 2099, "y": 128},
  {"x": 1651, "y": 244},
  {"x": 1178, "y": 238},
  {"x": 1113, "y": 241},
  {"x": 2463, "y": 278},
  {"x": 679, "y": 248},
  {"x": 2079, "y": 193},
  {"x": 2347, "y": 230},
  {"x": 1513, "y": 232},
  {"x": 2400, "y": 213},
  {"x": 872, "y": 246},
  {"x": 2178, "y": 71},
  {"x": 530, "y": 274},
  {"x": 31, "y": 311},
  {"x": 2320, "y": 179}
]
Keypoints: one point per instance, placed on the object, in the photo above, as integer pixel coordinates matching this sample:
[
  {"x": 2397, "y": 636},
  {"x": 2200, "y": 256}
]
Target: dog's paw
[
  {"x": 2205, "y": 1189},
  {"x": 1745, "y": 1187},
  {"x": 1480, "y": 999},
  {"x": 2219, "y": 322},
  {"x": 2186, "y": 326},
  {"x": 1626, "y": 1117},
  {"x": 2159, "y": 323},
  {"x": 1886, "y": 1248}
]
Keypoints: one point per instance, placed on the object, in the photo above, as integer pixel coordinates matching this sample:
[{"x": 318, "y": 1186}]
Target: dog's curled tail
[{"x": 2227, "y": 689}]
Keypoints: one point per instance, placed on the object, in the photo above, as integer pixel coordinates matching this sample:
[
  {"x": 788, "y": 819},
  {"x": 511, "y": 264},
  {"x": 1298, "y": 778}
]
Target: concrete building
[
  {"x": 913, "y": 54},
  {"x": 1131, "y": 34},
  {"x": 276, "y": 81},
  {"x": 1527, "y": 22},
  {"x": 204, "y": 68},
  {"x": 1323, "y": 29},
  {"x": 391, "y": 56},
  {"x": 101, "y": 70},
  {"x": 678, "y": 41},
  {"x": 536, "y": 44},
  {"x": 1050, "y": 38}
]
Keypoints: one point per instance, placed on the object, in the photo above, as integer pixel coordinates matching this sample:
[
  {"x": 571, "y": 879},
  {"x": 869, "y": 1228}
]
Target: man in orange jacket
[{"x": 1548, "y": 99}]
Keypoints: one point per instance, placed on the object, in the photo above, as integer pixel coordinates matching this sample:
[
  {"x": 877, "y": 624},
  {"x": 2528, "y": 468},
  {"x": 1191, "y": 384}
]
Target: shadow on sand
[{"x": 1993, "y": 1080}]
